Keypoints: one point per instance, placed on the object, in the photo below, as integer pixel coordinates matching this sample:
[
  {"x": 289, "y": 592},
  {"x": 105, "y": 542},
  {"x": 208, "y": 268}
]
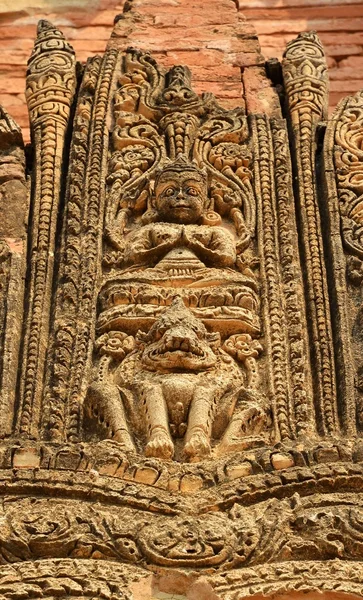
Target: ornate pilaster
[
  {"x": 285, "y": 321},
  {"x": 305, "y": 78},
  {"x": 79, "y": 267},
  {"x": 343, "y": 171},
  {"x": 50, "y": 89},
  {"x": 14, "y": 209}
]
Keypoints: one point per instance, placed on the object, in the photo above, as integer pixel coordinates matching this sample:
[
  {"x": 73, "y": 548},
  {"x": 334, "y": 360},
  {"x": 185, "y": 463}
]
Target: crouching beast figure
[{"x": 176, "y": 389}]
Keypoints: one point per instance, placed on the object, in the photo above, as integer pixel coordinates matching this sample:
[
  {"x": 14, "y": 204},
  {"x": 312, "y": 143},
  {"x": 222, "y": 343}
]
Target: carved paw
[
  {"x": 160, "y": 446},
  {"x": 122, "y": 437},
  {"x": 253, "y": 420},
  {"x": 198, "y": 446},
  {"x": 243, "y": 431}
]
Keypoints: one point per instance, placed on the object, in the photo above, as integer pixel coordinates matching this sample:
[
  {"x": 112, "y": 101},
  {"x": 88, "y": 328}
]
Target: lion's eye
[
  {"x": 169, "y": 191},
  {"x": 192, "y": 191}
]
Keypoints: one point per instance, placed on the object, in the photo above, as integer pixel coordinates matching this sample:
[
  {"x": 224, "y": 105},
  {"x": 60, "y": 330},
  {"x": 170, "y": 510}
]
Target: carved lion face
[
  {"x": 180, "y": 197},
  {"x": 178, "y": 341}
]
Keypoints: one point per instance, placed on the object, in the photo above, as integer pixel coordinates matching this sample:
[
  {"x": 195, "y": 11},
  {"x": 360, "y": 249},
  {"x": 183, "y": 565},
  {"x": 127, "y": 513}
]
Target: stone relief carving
[
  {"x": 176, "y": 408},
  {"x": 178, "y": 257},
  {"x": 348, "y": 162}
]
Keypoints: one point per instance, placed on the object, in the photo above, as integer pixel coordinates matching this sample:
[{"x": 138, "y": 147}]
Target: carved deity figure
[
  {"x": 178, "y": 308},
  {"x": 176, "y": 385},
  {"x": 180, "y": 207},
  {"x": 178, "y": 243}
]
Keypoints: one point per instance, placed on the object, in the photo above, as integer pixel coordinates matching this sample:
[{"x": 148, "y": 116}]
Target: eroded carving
[{"x": 178, "y": 257}]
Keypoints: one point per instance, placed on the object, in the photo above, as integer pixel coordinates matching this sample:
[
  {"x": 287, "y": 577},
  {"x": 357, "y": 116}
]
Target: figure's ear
[{"x": 214, "y": 340}]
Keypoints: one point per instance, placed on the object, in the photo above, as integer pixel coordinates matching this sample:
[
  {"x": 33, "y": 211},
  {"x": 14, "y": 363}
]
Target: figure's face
[{"x": 181, "y": 198}]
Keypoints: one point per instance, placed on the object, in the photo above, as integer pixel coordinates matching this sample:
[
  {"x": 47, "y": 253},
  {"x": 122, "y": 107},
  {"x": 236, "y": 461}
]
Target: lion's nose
[{"x": 177, "y": 342}]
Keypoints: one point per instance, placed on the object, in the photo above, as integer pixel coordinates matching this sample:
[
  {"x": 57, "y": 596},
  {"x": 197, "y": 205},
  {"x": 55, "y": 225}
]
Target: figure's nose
[{"x": 180, "y": 193}]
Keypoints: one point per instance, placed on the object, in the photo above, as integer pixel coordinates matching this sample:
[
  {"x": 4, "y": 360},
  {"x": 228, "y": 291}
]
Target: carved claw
[
  {"x": 160, "y": 446},
  {"x": 243, "y": 431},
  {"x": 198, "y": 446},
  {"x": 123, "y": 437}
]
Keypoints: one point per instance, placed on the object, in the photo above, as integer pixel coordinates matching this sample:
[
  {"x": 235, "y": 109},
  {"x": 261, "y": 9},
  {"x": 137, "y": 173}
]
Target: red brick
[
  {"x": 352, "y": 61},
  {"x": 335, "y": 97},
  {"x": 298, "y": 25},
  {"x": 260, "y": 96},
  {"x": 202, "y": 57},
  {"x": 86, "y": 33},
  {"x": 226, "y": 72},
  {"x": 344, "y": 74},
  {"x": 303, "y": 12},
  {"x": 22, "y": 44},
  {"x": 180, "y": 18},
  {"x": 347, "y": 86},
  {"x": 342, "y": 50},
  {"x": 12, "y": 85},
  {"x": 243, "y": 4},
  {"x": 17, "y": 32},
  {"x": 246, "y": 59},
  {"x": 14, "y": 57},
  {"x": 343, "y": 38}
]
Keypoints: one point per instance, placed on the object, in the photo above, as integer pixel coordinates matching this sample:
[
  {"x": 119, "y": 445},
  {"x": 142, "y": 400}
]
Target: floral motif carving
[
  {"x": 176, "y": 418},
  {"x": 348, "y": 159}
]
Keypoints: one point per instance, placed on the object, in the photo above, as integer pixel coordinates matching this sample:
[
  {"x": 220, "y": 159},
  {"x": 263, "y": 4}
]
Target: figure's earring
[
  {"x": 211, "y": 218},
  {"x": 151, "y": 215}
]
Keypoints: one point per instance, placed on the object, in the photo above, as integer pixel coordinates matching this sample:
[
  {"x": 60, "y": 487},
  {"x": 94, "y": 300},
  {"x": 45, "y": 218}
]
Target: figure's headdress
[{"x": 182, "y": 165}]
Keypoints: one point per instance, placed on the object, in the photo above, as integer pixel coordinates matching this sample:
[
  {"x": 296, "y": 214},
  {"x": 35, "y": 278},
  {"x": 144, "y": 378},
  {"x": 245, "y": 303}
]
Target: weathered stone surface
[{"x": 180, "y": 315}]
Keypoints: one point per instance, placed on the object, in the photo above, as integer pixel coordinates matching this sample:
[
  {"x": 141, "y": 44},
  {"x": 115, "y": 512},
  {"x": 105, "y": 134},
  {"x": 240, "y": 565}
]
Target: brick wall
[{"x": 214, "y": 37}]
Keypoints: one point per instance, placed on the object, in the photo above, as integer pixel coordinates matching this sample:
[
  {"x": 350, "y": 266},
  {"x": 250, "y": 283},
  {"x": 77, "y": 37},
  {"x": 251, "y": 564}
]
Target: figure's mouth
[{"x": 180, "y": 346}]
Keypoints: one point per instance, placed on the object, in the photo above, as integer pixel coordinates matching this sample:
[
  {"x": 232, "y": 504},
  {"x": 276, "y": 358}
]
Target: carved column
[
  {"x": 343, "y": 163},
  {"x": 305, "y": 78},
  {"x": 51, "y": 84},
  {"x": 14, "y": 213}
]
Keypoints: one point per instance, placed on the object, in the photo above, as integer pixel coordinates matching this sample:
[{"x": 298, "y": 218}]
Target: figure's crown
[{"x": 182, "y": 165}]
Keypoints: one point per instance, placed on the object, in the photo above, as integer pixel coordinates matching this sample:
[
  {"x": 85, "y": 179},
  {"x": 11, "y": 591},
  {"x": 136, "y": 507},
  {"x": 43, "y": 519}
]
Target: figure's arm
[{"x": 150, "y": 244}]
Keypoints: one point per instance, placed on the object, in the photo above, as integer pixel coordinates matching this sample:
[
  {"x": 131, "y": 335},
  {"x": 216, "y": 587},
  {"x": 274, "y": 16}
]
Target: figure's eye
[
  {"x": 169, "y": 191},
  {"x": 192, "y": 191}
]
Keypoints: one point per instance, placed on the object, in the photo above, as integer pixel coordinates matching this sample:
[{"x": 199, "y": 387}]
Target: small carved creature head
[
  {"x": 181, "y": 193},
  {"x": 178, "y": 341}
]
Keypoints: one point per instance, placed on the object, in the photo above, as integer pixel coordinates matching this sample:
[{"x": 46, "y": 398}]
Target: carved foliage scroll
[{"x": 348, "y": 162}]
